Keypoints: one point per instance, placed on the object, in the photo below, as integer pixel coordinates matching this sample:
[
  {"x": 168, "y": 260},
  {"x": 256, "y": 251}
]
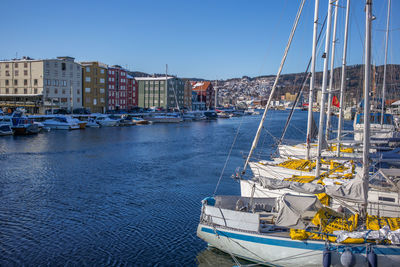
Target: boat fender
[
  {"x": 326, "y": 259},
  {"x": 209, "y": 201},
  {"x": 372, "y": 258},
  {"x": 347, "y": 258}
]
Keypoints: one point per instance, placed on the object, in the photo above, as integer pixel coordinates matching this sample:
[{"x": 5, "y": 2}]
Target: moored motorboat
[
  {"x": 22, "y": 125},
  {"x": 164, "y": 117},
  {"x": 61, "y": 122},
  {"x": 91, "y": 123},
  {"x": 106, "y": 121},
  {"x": 5, "y": 129}
]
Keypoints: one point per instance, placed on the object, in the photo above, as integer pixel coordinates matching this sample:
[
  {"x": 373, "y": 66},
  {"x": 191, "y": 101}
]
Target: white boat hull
[
  {"x": 107, "y": 123},
  {"x": 61, "y": 126},
  {"x": 164, "y": 119},
  {"x": 282, "y": 251}
]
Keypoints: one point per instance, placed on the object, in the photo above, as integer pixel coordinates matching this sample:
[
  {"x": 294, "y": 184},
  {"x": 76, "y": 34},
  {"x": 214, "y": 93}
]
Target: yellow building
[
  {"x": 290, "y": 97},
  {"x": 94, "y": 86}
]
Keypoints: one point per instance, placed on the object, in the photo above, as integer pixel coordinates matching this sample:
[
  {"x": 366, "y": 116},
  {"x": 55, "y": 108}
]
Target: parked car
[
  {"x": 81, "y": 111},
  {"x": 61, "y": 111}
]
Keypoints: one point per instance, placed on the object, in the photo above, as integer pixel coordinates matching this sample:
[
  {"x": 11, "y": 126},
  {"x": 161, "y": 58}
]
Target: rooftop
[{"x": 152, "y": 78}]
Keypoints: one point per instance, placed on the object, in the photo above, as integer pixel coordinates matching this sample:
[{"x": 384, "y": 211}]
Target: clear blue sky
[{"x": 211, "y": 39}]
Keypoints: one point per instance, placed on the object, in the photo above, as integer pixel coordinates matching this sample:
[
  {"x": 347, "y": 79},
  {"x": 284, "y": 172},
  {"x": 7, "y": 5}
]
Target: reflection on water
[
  {"x": 213, "y": 257},
  {"x": 118, "y": 196}
]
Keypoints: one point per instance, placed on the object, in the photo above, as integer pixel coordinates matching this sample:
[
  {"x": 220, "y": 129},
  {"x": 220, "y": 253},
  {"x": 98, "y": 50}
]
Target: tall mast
[
  {"x": 384, "y": 67},
  {"x": 260, "y": 126},
  {"x": 343, "y": 80},
  {"x": 312, "y": 80},
  {"x": 166, "y": 85},
  {"x": 367, "y": 85},
  {"x": 216, "y": 95},
  {"x": 323, "y": 91},
  {"x": 328, "y": 113}
]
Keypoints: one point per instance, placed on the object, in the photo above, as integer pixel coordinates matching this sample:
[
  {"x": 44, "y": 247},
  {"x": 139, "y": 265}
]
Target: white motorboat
[
  {"x": 164, "y": 118},
  {"x": 91, "y": 123},
  {"x": 61, "y": 123},
  {"x": 194, "y": 116},
  {"x": 106, "y": 121},
  {"x": 5, "y": 126}
]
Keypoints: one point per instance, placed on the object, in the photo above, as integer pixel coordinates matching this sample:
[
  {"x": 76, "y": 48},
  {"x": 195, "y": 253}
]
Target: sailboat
[{"x": 297, "y": 230}]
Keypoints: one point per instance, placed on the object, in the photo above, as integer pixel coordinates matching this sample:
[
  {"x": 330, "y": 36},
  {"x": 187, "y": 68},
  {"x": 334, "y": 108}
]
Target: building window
[
  {"x": 25, "y": 64},
  {"x": 88, "y": 100},
  {"x": 15, "y": 91},
  {"x": 101, "y": 90},
  {"x": 63, "y": 66},
  {"x": 25, "y": 72},
  {"x": 101, "y": 80},
  {"x": 47, "y": 91},
  {"x": 87, "y": 90},
  {"x": 102, "y": 100},
  {"x": 87, "y": 69},
  {"x": 78, "y": 99},
  {"x": 16, "y": 65},
  {"x": 7, "y": 72},
  {"x": 7, "y": 91},
  {"x": 94, "y": 101},
  {"x": 56, "y": 91},
  {"x": 78, "y": 91},
  {"x": 35, "y": 91},
  {"x": 7, "y": 65},
  {"x": 25, "y": 82},
  {"x": 15, "y": 82},
  {"x": 87, "y": 79},
  {"x": 16, "y": 73},
  {"x": 7, "y": 82},
  {"x": 102, "y": 71},
  {"x": 63, "y": 91},
  {"x": 35, "y": 82},
  {"x": 25, "y": 91}
]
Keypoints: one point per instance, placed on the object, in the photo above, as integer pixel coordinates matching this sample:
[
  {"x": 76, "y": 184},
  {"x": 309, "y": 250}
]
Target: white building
[{"x": 40, "y": 84}]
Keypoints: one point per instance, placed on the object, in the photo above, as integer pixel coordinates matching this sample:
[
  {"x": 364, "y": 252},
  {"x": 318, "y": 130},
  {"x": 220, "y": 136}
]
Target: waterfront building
[
  {"x": 117, "y": 88},
  {"x": 187, "y": 95},
  {"x": 205, "y": 93},
  {"x": 40, "y": 84},
  {"x": 197, "y": 105},
  {"x": 94, "y": 86},
  {"x": 157, "y": 92},
  {"x": 132, "y": 92}
]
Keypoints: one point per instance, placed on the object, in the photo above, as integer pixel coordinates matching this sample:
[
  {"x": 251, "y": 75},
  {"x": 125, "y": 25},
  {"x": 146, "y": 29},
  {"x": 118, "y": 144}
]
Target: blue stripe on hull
[{"x": 379, "y": 250}]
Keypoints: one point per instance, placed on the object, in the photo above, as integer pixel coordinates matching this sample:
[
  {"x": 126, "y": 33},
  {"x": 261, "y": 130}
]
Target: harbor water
[{"x": 121, "y": 195}]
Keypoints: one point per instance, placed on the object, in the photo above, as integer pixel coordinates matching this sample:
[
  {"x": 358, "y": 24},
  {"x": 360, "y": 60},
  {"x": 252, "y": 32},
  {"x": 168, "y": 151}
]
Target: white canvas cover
[
  {"x": 305, "y": 188},
  {"x": 352, "y": 191},
  {"x": 231, "y": 218},
  {"x": 294, "y": 210}
]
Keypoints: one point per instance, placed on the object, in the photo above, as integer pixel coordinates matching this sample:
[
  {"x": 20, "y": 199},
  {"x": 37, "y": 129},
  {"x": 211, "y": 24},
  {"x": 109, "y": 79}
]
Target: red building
[
  {"x": 132, "y": 93},
  {"x": 117, "y": 88},
  {"x": 205, "y": 92}
]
